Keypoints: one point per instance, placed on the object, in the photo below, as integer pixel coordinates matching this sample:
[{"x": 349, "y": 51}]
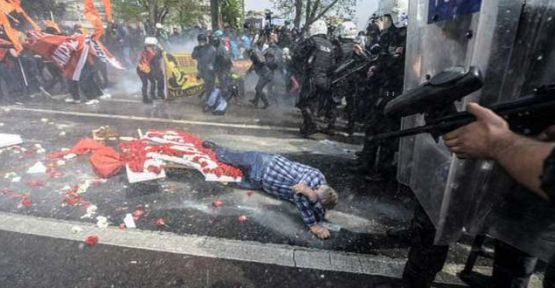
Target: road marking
[
  {"x": 211, "y": 247},
  {"x": 123, "y": 100},
  {"x": 160, "y": 120}
]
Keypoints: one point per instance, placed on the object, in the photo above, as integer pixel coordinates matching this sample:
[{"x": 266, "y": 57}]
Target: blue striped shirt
[{"x": 281, "y": 175}]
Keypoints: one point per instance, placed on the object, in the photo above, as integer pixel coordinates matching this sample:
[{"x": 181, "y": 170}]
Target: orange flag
[
  {"x": 108, "y": 7},
  {"x": 12, "y": 34},
  {"x": 6, "y": 7},
  {"x": 16, "y": 4},
  {"x": 94, "y": 17}
]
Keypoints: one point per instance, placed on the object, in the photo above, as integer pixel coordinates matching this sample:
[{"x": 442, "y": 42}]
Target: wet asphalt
[{"x": 365, "y": 214}]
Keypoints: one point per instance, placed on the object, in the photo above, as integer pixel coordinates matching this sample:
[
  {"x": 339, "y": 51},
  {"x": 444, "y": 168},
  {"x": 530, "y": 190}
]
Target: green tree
[
  {"x": 232, "y": 12},
  {"x": 309, "y": 11},
  {"x": 150, "y": 12},
  {"x": 44, "y": 9}
]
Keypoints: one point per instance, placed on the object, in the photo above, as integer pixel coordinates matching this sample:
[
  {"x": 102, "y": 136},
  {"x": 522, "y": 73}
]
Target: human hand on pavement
[
  {"x": 320, "y": 232},
  {"x": 485, "y": 137}
]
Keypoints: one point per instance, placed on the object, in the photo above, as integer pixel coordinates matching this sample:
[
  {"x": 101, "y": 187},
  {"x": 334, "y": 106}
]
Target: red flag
[
  {"x": 108, "y": 8},
  {"x": 94, "y": 17},
  {"x": 68, "y": 52}
]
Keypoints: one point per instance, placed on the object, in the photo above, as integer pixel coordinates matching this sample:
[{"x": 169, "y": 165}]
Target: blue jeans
[{"x": 251, "y": 163}]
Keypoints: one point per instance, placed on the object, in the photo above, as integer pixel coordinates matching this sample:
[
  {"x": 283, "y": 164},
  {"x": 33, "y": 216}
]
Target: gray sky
[{"x": 365, "y": 8}]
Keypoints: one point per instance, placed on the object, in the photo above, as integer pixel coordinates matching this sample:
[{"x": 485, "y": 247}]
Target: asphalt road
[
  {"x": 365, "y": 214},
  {"x": 31, "y": 261}
]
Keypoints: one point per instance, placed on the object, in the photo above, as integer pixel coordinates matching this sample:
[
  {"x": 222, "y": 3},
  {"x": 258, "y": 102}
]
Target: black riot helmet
[{"x": 202, "y": 38}]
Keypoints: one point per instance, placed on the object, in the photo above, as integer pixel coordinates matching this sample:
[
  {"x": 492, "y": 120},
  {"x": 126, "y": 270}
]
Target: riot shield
[{"x": 504, "y": 39}]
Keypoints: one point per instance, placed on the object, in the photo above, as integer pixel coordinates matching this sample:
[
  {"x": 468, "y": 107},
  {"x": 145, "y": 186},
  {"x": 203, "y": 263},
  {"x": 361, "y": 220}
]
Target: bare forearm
[
  {"x": 306, "y": 191},
  {"x": 310, "y": 194},
  {"x": 523, "y": 158}
]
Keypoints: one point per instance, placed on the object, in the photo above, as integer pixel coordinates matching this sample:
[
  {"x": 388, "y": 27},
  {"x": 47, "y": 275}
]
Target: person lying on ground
[
  {"x": 529, "y": 161},
  {"x": 304, "y": 186}
]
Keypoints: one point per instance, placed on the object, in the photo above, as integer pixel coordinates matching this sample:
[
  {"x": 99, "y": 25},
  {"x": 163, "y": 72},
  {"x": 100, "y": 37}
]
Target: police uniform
[
  {"x": 386, "y": 85},
  {"x": 222, "y": 65},
  {"x": 512, "y": 267},
  {"x": 316, "y": 53},
  {"x": 343, "y": 52}
]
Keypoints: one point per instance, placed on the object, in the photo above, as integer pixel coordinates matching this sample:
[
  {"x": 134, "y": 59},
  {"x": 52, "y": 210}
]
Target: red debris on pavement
[
  {"x": 72, "y": 197},
  {"x": 243, "y": 219},
  {"x": 91, "y": 240},
  {"x": 161, "y": 222},
  {"x": 218, "y": 203},
  {"x": 53, "y": 172},
  {"x": 26, "y": 200},
  {"x": 122, "y": 226},
  {"x": 249, "y": 193},
  {"x": 56, "y": 155}
]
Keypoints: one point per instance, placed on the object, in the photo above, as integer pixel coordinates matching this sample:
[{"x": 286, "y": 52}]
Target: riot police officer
[
  {"x": 205, "y": 54},
  {"x": 344, "y": 50},
  {"x": 386, "y": 83},
  {"x": 316, "y": 56},
  {"x": 222, "y": 62}
]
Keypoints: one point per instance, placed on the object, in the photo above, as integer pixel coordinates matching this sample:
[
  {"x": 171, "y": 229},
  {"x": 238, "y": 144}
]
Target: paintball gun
[
  {"x": 358, "y": 63},
  {"x": 529, "y": 115}
]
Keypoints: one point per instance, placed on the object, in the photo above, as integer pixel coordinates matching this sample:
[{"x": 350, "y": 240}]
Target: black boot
[
  {"x": 266, "y": 104},
  {"x": 254, "y": 102},
  {"x": 308, "y": 129}
]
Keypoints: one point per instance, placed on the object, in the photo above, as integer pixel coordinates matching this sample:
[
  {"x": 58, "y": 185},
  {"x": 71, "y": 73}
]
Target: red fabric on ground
[{"x": 106, "y": 162}]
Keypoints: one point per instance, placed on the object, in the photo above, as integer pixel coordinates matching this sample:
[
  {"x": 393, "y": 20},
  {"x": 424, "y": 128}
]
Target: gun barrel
[{"x": 527, "y": 115}]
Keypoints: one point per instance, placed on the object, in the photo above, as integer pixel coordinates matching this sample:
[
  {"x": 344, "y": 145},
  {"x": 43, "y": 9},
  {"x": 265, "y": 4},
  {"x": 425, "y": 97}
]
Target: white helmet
[
  {"x": 400, "y": 15},
  {"x": 399, "y": 11},
  {"x": 317, "y": 28},
  {"x": 151, "y": 41},
  {"x": 347, "y": 30},
  {"x": 159, "y": 26},
  {"x": 286, "y": 51}
]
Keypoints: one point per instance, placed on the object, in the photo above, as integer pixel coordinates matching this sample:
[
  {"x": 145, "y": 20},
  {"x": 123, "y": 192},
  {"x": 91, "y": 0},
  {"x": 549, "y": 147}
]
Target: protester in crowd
[{"x": 150, "y": 71}]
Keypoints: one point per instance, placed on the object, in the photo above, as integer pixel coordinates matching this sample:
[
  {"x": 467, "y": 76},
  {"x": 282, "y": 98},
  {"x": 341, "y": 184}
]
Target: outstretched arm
[
  {"x": 310, "y": 218},
  {"x": 490, "y": 138}
]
